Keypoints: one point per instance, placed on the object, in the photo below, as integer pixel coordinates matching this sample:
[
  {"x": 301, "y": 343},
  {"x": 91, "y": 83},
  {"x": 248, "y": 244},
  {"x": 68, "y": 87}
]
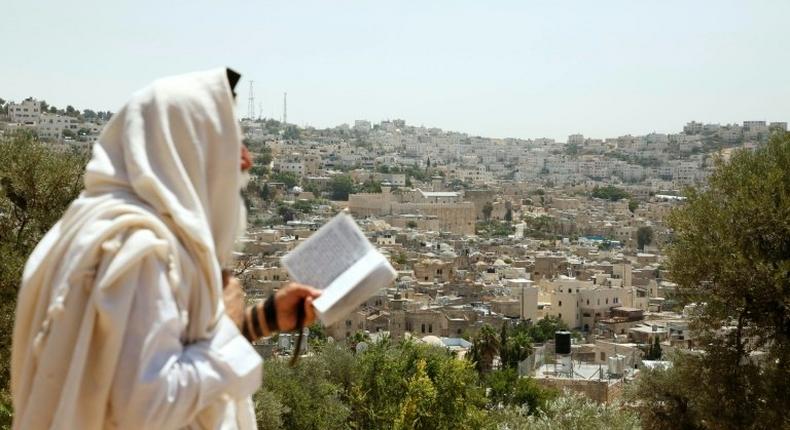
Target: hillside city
[{"x": 483, "y": 232}]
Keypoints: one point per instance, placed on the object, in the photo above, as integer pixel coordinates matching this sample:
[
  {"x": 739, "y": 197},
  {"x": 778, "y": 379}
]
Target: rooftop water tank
[{"x": 562, "y": 342}]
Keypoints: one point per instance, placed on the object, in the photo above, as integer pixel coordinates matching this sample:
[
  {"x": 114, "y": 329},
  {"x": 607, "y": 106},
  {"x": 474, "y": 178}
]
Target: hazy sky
[{"x": 493, "y": 68}]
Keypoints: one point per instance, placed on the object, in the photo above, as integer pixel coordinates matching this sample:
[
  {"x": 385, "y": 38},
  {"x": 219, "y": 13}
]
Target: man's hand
[
  {"x": 287, "y": 300},
  {"x": 233, "y": 296}
]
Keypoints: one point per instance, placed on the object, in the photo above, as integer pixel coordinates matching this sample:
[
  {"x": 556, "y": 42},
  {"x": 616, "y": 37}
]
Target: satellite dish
[{"x": 362, "y": 347}]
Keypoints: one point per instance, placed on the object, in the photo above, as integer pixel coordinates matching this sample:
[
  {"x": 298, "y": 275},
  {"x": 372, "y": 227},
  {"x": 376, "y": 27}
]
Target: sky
[{"x": 494, "y": 68}]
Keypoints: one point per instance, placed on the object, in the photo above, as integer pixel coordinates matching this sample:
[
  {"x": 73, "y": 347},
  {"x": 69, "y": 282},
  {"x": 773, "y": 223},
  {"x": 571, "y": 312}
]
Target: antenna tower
[
  {"x": 285, "y": 108},
  {"x": 251, "y": 104}
]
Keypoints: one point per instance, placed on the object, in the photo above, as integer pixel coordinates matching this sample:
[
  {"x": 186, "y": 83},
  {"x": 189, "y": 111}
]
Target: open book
[{"x": 340, "y": 260}]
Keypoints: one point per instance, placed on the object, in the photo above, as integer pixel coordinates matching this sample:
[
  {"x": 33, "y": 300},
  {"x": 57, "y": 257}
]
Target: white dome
[{"x": 432, "y": 340}]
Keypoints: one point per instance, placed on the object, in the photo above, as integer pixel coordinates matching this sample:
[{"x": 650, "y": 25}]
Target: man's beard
[
  {"x": 241, "y": 223},
  {"x": 241, "y": 228}
]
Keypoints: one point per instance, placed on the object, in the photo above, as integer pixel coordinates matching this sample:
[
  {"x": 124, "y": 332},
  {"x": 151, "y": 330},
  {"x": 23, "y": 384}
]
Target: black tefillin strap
[
  {"x": 300, "y": 316},
  {"x": 254, "y": 330}
]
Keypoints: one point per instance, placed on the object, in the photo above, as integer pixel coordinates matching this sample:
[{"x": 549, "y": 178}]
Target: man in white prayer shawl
[{"x": 122, "y": 319}]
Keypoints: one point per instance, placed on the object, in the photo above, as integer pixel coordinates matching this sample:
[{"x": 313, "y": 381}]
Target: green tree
[
  {"x": 503, "y": 345},
  {"x": 304, "y": 206},
  {"x": 286, "y": 212},
  {"x": 610, "y": 192},
  {"x": 574, "y": 411},
  {"x": 370, "y": 186},
  {"x": 291, "y": 132},
  {"x": 644, "y": 236},
  {"x": 268, "y": 410},
  {"x": 37, "y": 183},
  {"x": 262, "y": 161},
  {"x": 309, "y": 399},
  {"x": 416, "y": 408},
  {"x": 401, "y": 258},
  {"x": 514, "y": 347},
  {"x": 632, "y": 205},
  {"x": 317, "y": 331},
  {"x": 508, "y": 389},
  {"x": 288, "y": 178},
  {"x": 265, "y": 193},
  {"x": 654, "y": 350},
  {"x": 519, "y": 347},
  {"x": 384, "y": 370},
  {"x": 88, "y": 114},
  {"x": 543, "y": 330},
  {"x": 487, "y": 209},
  {"x": 666, "y": 398},
  {"x": 341, "y": 186},
  {"x": 485, "y": 347},
  {"x": 730, "y": 255},
  {"x": 411, "y": 224}
]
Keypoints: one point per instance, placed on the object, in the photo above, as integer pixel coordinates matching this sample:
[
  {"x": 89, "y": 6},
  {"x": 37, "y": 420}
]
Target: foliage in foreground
[
  {"x": 730, "y": 256},
  {"x": 37, "y": 183},
  {"x": 411, "y": 385},
  {"x": 407, "y": 385},
  {"x": 570, "y": 411}
]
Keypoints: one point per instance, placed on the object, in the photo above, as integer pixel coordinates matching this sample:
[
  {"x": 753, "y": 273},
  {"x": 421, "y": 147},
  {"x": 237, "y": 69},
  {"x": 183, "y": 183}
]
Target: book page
[
  {"x": 340, "y": 260},
  {"x": 378, "y": 276},
  {"x": 329, "y": 252},
  {"x": 347, "y": 280}
]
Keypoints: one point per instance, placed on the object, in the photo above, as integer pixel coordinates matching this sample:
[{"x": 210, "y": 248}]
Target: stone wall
[{"x": 597, "y": 390}]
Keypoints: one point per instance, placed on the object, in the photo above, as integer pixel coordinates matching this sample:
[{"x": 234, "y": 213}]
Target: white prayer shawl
[{"x": 120, "y": 321}]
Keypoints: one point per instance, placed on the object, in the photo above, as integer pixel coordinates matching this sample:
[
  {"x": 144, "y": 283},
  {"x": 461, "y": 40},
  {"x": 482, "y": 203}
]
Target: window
[
  {"x": 603, "y": 356},
  {"x": 560, "y": 304},
  {"x": 560, "y": 316},
  {"x": 423, "y": 328},
  {"x": 607, "y": 300},
  {"x": 430, "y": 328},
  {"x": 588, "y": 301},
  {"x": 348, "y": 323}
]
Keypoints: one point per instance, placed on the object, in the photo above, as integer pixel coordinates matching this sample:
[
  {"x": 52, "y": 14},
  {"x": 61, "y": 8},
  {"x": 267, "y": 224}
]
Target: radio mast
[
  {"x": 285, "y": 109},
  {"x": 251, "y": 104}
]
